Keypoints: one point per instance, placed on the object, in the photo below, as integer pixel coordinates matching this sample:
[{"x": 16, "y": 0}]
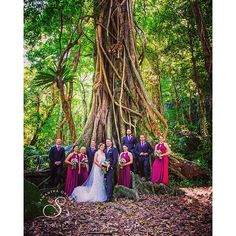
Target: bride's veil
[
  {"x": 92, "y": 189},
  {"x": 89, "y": 182}
]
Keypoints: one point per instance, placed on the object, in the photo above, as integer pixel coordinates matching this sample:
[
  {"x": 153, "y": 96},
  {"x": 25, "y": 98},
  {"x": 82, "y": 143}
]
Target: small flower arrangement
[
  {"x": 105, "y": 166},
  {"x": 122, "y": 161},
  {"x": 158, "y": 154},
  {"x": 74, "y": 163},
  {"x": 84, "y": 162}
]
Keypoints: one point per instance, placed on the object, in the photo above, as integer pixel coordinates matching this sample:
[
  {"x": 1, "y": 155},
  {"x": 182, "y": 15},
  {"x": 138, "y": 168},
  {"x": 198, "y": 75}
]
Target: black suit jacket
[
  {"x": 146, "y": 148},
  {"x": 130, "y": 143},
  {"x": 57, "y": 155},
  {"x": 90, "y": 155},
  {"x": 112, "y": 156}
]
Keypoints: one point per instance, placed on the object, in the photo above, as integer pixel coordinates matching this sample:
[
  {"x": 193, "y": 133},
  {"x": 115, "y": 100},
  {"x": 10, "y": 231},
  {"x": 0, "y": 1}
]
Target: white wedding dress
[{"x": 93, "y": 189}]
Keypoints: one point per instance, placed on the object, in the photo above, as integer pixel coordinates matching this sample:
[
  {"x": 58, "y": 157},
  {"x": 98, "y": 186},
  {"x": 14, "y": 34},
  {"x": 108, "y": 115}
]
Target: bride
[{"x": 93, "y": 189}]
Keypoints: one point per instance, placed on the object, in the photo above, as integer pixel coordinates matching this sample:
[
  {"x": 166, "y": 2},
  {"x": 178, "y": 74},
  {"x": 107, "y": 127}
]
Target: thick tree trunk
[
  {"x": 157, "y": 88},
  {"x": 202, "y": 32},
  {"x": 119, "y": 95},
  {"x": 207, "y": 51},
  {"x": 66, "y": 107},
  {"x": 176, "y": 97},
  {"x": 202, "y": 108},
  {"x": 190, "y": 107}
]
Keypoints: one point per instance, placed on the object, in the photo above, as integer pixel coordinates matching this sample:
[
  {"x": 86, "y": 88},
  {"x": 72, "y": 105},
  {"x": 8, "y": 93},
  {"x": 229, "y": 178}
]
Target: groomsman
[
  {"x": 143, "y": 150},
  {"x": 111, "y": 156},
  {"x": 57, "y": 157},
  {"x": 90, "y": 153},
  {"x": 130, "y": 141}
]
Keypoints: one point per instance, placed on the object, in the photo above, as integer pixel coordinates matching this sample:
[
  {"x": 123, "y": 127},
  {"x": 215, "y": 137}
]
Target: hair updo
[{"x": 100, "y": 144}]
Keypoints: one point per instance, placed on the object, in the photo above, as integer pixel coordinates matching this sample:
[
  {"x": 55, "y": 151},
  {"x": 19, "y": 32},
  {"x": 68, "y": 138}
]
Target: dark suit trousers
[
  {"x": 109, "y": 181},
  {"x": 144, "y": 164},
  {"x": 135, "y": 162},
  {"x": 55, "y": 177}
]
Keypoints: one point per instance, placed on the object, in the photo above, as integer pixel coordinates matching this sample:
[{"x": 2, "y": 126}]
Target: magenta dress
[
  {"x": 71, "y": 177},
  {"x": 124, "y": 177},
  {"x": 160, "y": 167},
  {"x": 83, "y": 172}
]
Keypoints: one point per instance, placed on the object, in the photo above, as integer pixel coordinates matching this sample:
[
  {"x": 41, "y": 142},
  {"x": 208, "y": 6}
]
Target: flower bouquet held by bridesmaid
[
  {"x": 160, "y": 164},
  {"x": 125, "y": 160},
  {"x": 73, "y": 170},
  {"x": 84, "y": 166}
]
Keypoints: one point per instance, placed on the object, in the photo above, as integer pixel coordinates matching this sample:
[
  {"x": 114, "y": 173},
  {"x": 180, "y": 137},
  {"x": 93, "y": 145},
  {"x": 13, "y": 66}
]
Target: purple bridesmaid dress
[
  {"x": 83, "y": 172},
  {"x": 160, "y": 167},
  {"x": 71, "y": 177},
  {"x": 124, "y": 177}
]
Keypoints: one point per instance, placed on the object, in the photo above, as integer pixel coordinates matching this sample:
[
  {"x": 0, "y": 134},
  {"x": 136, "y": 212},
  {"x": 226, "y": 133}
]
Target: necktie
[
  {"x": 128, "y": 138},
  {"x": 58, "y": 148}
]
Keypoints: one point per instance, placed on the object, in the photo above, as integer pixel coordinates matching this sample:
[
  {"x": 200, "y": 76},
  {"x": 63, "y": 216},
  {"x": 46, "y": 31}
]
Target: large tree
[{"x": 119, "y": 96}]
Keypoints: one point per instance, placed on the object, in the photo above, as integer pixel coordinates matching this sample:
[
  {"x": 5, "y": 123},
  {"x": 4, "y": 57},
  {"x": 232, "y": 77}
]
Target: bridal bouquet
[
  {"x": 158, "y": 154},
  {"x": 122, "y": 161},
  {"x": 74, "y": 163},
  {"x": 105, "y": 166},
  {"x": 84, "y": 162}
]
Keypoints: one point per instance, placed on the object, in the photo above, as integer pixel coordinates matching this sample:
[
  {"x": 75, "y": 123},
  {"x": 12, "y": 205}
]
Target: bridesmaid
[
  {"x": 160, "y": 164},
  {"x": 124, "y": 177},
  {"x": 72, "y": 170},
  {"x": 84, "y": 166}
]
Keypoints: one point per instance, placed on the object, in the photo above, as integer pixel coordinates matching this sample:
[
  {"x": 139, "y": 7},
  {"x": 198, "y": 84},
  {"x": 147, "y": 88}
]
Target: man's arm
[
  {"x": 115, "y": 157},
  {"x": 122, "y": 143},
  {"x": 87, "y": 152},
  {"x": 135, "y": 141},
  {"x": 137, "y": 152},
  {"x": 51, "y": 154},
  {"x": 150, "y": 149},
  {"x": 63, "y": 155}
]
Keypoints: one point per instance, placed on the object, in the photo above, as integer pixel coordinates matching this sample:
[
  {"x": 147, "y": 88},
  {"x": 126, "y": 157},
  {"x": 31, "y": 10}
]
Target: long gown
[
  {"x": 160, "y": 167},
  {"x": 72, "y": 176},
  {"x": 83, "y": 172},
  {"x": 93, "y": 190},
  {"x": 124, "y": 177}
]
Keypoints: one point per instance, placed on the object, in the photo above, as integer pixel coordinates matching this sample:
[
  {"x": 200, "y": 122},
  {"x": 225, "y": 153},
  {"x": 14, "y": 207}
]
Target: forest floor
[{"x": 183, "y": 215}]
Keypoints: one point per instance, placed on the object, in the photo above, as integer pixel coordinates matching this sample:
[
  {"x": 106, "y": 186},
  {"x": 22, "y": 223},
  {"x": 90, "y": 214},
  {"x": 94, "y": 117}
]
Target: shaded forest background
[{"x": 171, "y": 54}]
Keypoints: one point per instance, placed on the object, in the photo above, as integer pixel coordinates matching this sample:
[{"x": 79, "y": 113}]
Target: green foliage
[
  {"x": 30, "y": 151},
  {"x": 49, "y": 77},
  {"x": 34, "y": 202},
  {"x": 188, "y": 183}
]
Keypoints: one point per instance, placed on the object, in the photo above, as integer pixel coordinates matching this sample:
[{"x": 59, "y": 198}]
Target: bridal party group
[{"x": 135, "y": 156}]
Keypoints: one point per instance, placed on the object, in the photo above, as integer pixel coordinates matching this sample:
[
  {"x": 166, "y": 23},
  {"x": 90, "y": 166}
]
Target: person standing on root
[
  {"x": 73, "y": 170},
  {"x": 90, "y": 153},
  {"x": 111, "y": 154},
  {"x": 84, "y": 166},
  {"x": 57, "y": 157},
  {"x": 125, "y": 160},
  {"x": 130, "y": 141},
  {"x": 160, "y": 165},
  {"x": 143, "y": 150}
]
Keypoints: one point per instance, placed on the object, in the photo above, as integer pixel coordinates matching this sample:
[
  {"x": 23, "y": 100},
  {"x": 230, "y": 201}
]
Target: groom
[{"x": 111, "y": 156}]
